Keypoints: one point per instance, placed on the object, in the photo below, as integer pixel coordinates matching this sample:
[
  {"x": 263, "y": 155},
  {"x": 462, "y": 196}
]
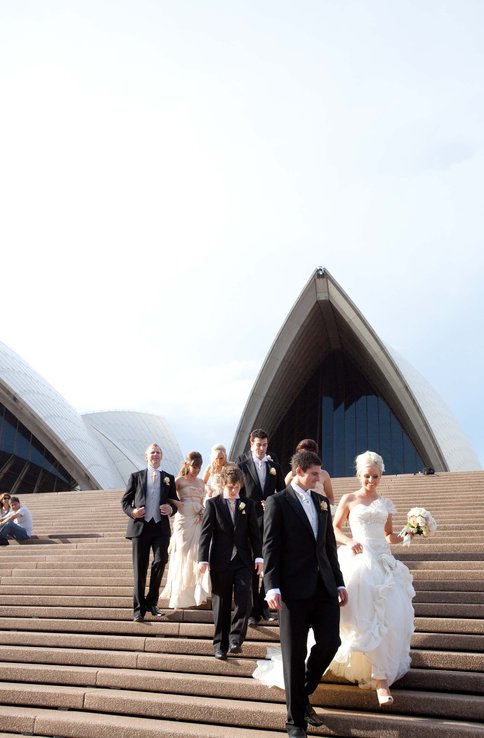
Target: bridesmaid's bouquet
[{"x": 419, "y": 523}]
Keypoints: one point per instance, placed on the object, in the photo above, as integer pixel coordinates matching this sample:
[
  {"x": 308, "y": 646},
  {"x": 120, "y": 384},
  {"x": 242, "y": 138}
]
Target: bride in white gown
[{"x": 378, "y": 620}]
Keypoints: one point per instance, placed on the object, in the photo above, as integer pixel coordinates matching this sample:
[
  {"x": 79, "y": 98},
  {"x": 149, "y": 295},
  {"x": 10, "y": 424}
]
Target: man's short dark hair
[
  {"x": 257, "y": 433},
  {"x": 15, "y": 499},
  {"x": 303, "y": 460}
]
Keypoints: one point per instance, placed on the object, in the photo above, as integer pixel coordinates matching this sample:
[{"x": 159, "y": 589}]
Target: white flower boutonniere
[
  {"x": 272, "y": 471},
  {"x": 242, "y": 508},
  {"x": 268, "y": 458},
  {"x": 166, "y": 480},
  {"x": 323, "y": 506}
]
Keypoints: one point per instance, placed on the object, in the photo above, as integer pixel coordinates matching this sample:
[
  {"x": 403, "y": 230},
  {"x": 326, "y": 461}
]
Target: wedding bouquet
[{"x": 419, "y": 523}]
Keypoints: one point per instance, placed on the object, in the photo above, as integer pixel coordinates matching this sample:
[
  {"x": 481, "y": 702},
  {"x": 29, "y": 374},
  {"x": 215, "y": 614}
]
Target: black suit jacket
[
  {"x": 293, "y": 557},
  {"x": 219, "y": 534},
  {"x": 135, "y": 496},
  {"x": 252, "y": 489}
]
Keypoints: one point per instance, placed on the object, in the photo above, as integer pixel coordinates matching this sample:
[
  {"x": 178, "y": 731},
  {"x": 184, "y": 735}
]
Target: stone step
[
  {"x": 83, "y": 601},
  {"x": 227, "y": 710},
  {"x": 452, "y": 554},
  {"x": 63, "y": 581},
  {"x": 449, "y": 625},
  {"x": 428, "y": 583},
  {"x": 86, "y": 724},
  {"x": 453, "y": 641},
  {"x": 64, "y": 554},
  {"x": 427, "y": 591},
  {"x": 68, "y": 591},
  {"x": 30, "y": 721},
  {"x": 257, "y": 649},
  {"x": 21, "y": 620},
  {"x": 67, "y": 665},
  {"x": 432, "y": 578},
  {"x": 64, "y": 560},
  {"x": 465, "y": 596},
  {"x": 202, "y": 614},
  {"x": 463, "y": 567},
  {"x": 252, "y": 649},
  {"x": 119, "y": 609},
  {"x": 79, "y": 640},
  {"x": 103, "y": 573},
  {"x": 449, "y": 610},
  {"x": 448, "y": 660},
  {"x": 50, "y": 544},
  {"x": 444, "y": 681}
]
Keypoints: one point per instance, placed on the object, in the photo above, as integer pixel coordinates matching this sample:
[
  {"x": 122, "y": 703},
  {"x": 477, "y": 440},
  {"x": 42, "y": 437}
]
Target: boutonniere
[
  {"x": 268, "y": 458},
  {"x": 323, "y": 506},
  {"x": 272, "y": 471},
  {"x": 242, "y": 508},
  {"x": 166, "y": 480}
]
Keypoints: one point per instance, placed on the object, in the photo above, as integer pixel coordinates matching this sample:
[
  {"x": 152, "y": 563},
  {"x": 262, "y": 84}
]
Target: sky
[{"x": 172, "y": 173}]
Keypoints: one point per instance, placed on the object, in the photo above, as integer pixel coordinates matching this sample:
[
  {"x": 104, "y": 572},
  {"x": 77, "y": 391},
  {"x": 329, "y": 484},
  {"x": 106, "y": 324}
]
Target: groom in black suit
[
  {"x": 147, "y": 503},
  {"x": 262, "y": 478},
  {"x": 230, "y": 545},
  {"x": 303, "y": 580}
]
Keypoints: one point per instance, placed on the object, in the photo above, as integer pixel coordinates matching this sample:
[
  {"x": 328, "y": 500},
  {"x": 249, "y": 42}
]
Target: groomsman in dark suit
[
  {"x": 230, "y": 546},
  {"x": 147, "y": 503},
  {"x": 262, "y": 477},
  {"x": 303, "y": 580}
]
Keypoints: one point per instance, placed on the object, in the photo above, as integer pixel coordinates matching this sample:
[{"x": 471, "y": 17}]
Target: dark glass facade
[
  {"x": 25, "y": 464},
  {"x": 340, "y": 409}
]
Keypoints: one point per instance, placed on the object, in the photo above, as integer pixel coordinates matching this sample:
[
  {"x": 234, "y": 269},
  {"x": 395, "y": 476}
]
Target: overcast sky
[{"x": 173, "y": 172}]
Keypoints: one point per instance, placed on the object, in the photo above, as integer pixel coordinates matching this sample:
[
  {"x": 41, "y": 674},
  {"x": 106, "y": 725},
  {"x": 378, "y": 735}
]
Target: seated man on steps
[{"x": 17, "y": 524}]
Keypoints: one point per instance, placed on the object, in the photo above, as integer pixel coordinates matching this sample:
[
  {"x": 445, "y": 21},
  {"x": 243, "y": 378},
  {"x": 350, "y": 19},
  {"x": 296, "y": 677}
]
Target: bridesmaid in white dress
[
  {"x": 185, "y": 587},
  {"x": 378, "y": 621},
  {"x": 211, "y": 475}
]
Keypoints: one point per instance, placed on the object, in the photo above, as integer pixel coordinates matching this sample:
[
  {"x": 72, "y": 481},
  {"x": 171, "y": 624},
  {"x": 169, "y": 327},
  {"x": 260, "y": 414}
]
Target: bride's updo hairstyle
[{"x": 369, "y": 458}]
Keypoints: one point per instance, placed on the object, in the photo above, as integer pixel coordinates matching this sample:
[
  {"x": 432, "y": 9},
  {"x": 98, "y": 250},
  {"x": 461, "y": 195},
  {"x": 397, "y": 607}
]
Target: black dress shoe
[
  {"x": 234, "y": 648},
  {"x": 155, "y": 612},
  {"x": 311, "y": 716},
  {"x": 220, "y": 655},
  {"x": 139, "y": 618},
  {"x": 295, "y": 732},
  {"x": 253, "y": 621},
  {"x": 4, "y": 542}
]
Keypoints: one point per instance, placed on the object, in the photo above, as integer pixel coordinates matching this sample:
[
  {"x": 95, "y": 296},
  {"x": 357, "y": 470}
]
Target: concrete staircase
[{"x": 73, "y": 663}]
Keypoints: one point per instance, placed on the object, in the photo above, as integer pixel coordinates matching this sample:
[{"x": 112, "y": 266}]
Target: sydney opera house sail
[
  {"x": 46, "y": 446},
  {"x": 329, "y": 377}
]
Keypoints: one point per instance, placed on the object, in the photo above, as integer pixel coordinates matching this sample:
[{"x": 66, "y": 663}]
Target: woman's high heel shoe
[{"x": 384, "y": 696}]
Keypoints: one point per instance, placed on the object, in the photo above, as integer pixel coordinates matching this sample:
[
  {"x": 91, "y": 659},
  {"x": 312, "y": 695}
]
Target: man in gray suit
[{"x": 148, "y": 504}]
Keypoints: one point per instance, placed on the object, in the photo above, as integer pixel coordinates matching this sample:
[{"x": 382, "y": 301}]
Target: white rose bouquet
[{"x": 419, "y": 523}]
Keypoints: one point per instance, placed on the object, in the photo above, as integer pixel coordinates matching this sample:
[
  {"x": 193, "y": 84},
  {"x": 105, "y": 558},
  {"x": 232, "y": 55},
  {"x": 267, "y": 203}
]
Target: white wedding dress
[{"x": 378, "y": 621}]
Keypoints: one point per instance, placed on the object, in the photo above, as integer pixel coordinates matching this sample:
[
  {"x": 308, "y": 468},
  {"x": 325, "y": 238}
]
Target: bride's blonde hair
[{"x": 369, "y": 458}]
